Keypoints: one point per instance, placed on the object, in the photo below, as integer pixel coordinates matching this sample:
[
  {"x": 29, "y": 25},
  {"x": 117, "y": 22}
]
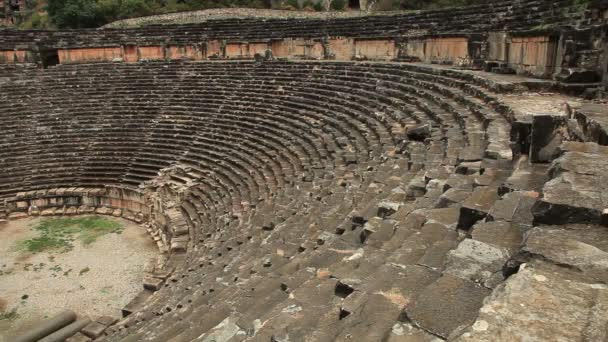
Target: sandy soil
[{"x": 95, "y": 280}]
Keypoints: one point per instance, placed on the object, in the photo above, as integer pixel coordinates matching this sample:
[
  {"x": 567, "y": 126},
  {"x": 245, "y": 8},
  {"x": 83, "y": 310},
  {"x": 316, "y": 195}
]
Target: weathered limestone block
[
  {"x": 501, "y": 234},
  {"x": 592, "y": 119},
  {"x": 446, "y": 305},
  {"x": 548, "y": 133},
  {"x": 582, "y": 247},
  {"x": 448, "y": 217},
  {"x": 477, "y": 206},
  {"x": 525, "y": 177},
  {"x": 93, "y": 330},
  {"x": 515, "y": 207},
  {"x": 405, "y": 332},
  {"x": 536, "y": 305},
  {"x": 79, "y": 337},
  {"x": 576, "y": 193},
  {"x": 419, "y": 132},
  {"x": 452, "y": 198},
  {"x": 387, "y": 208},
  {"x": 477, "y": 261}
]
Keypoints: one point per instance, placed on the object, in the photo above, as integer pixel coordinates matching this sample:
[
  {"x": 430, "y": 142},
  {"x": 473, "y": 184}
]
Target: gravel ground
[{"x": 95, "y": 280}]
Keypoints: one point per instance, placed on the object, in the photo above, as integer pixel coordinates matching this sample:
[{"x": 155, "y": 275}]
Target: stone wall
[
  {"x": 110, "y": 200},
  {"x": 532, "y": 55},
  {"x": 13, "y": 56},
  {"x": 536, "y": 38}
]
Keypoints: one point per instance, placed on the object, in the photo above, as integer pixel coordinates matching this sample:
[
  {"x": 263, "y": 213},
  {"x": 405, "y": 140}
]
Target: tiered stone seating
[
  {"x": 494, "y": 16},
  {"x": 306, "y": 201}
]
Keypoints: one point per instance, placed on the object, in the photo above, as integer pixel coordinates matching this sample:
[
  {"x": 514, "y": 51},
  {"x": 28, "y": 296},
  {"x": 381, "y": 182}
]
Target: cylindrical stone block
[
  {"x": 48, "y": 326},
  {"x": 67, "y": 331}
]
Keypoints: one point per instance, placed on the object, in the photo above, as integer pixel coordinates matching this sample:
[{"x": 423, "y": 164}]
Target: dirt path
[{"x": 98, "y": 279}]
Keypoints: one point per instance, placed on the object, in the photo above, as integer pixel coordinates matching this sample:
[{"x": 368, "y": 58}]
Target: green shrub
[
  {"x": 338, "y": 5},
  {"x": 293, "y": 3}
]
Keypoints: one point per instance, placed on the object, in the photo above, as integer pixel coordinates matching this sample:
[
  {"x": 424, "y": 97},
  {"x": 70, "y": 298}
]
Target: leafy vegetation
[
  {"x": 60, "y": 233},
  {"x": 49, "y": 14},
  {"x": 95, "y": 13}
]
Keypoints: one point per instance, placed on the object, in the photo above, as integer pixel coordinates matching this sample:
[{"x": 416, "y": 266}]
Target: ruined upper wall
[
  {"x": 535, "y": 37},
  {"x": 507, "y": 15}
]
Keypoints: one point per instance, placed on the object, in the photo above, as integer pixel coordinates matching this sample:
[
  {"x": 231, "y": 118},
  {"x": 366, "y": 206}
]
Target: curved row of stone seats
[
  {"x": 320, "y": 271},
  {"x": 308, "y": 200},
  {"x": 523, "y": 15},
  {"x": 138, "y": 171},
  {"x": 185, "y": 292}
]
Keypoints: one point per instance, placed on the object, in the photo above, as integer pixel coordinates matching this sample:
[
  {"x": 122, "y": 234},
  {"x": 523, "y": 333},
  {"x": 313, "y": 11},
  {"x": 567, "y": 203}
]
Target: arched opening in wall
[
  {"x": 49, "y": 58},
  {"x": 354, "y": 4}
]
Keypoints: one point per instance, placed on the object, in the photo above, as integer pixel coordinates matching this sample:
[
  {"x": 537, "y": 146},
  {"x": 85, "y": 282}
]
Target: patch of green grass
[
  {"x": 9, "y": 316},
  {"x": 60, "y": 233}
]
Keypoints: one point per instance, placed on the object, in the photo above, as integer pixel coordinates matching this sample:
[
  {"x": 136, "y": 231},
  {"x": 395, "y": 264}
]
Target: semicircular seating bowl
[{"x": 297, "y": 176}]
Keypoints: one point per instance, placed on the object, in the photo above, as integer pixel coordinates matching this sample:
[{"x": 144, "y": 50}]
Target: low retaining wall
[{"x": 135, "y": 205}]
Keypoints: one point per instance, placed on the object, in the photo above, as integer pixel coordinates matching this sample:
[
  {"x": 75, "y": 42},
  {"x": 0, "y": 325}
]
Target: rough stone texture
[
  {"x": 477, "y": 206},
  {"x": 514, "y": 207},
  {"x": 447, "y": 305},
  {"x": 548, "y": 133},
  {"x": 477, "y": 261},
  {"x": 536, "y": 305},
  {"x": 287, "y": 198},
  {"x": 500, "y": 234},
  {"x": 576, "y": 192},
  {"x": 583, "y": 247}
]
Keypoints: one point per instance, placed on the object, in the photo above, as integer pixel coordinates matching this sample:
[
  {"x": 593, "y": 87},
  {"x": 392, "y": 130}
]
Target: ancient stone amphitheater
[{"x": 381, "y": 178}]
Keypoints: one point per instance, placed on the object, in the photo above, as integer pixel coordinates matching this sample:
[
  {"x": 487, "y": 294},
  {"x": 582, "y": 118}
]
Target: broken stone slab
[
  {"x": 417, "y": 186},
  {"x": 579, "y": 246},
  {"x": 106, "y": 320},
  {"x": 452, "y": 198},
  {"x": 419, "y": 132},
  {"x": 79, "y": 337},
  {"x": 525, "y": 177},
  {"x": 372, "y": 320},
  {"x": 387, "y": 208},
  {"x": 548, "y": 133},
  {"x": 592, "y": 120},
  {"x": 477, "y": 206},
  {"x": 94, "y": 330},
  {"x": 477, "y": 261},
  {"x": 436, "y": 255},
  {"x": 137, "y": 302},
  {"x": 376, "y": 231},
  {"x": 448, "y": 217},
  {"x": 515, "y": 207},
  {"x": 406, "y": 332},
  {"x": 499, "y": 149},
  {"x": 153, "y": 284},
  {"x": 468, "y": 168},
  {"x": 441, "y": 173},
  {"x": 446, "y": 305},
  {"x": 576, "y": 193},
  {"x": 501, "y": 234},
  {"x": 536, "y": 305},
  {"x": 458, "y": 181},
  {"x": 471, "y": 154}
]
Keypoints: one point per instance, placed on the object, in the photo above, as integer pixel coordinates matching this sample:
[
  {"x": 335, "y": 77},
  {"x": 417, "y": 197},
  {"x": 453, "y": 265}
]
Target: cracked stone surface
[
  {"x": 577, "y": 191},
  {"x": 540, "y": 305}
]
